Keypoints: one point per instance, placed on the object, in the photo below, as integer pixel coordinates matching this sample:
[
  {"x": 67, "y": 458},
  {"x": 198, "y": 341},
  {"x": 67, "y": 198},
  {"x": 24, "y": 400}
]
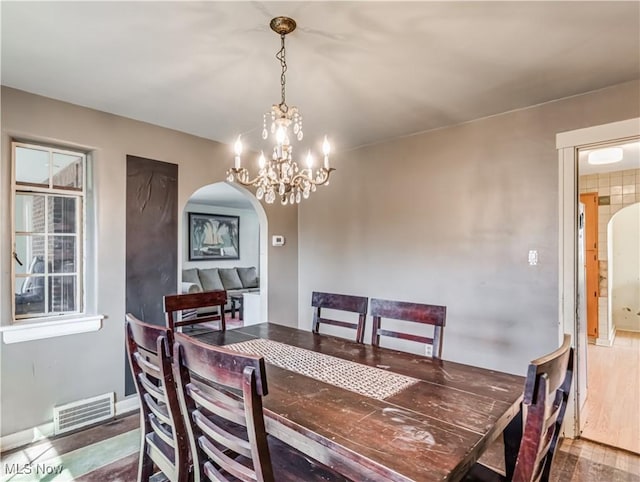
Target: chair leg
[{"x": 145, "y": 466}]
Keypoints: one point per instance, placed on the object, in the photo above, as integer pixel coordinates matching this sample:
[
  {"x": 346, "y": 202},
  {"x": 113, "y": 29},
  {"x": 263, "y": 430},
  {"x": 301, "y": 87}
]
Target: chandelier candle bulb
[
  {"x": 237, "y": 147},
  {"x": 261, "y": 160},
  {"x": 326, "y": 147}
]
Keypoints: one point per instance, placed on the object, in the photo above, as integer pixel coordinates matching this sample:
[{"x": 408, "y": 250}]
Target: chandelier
[{"x": 280, "y": 175}]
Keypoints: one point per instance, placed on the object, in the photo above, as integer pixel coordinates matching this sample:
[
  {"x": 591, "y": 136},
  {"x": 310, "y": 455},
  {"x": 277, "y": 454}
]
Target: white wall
[
  {"x": 624, "y": 269},
  {"x": 249, "y": 237}
]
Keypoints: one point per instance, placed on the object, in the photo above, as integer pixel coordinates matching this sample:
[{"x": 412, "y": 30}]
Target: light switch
[
  {"x": 277, "y": 240},
  {"x": 533, "y": 257}
]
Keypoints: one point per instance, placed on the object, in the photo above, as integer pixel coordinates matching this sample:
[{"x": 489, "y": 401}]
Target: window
[{"x": 49, "y": 206}]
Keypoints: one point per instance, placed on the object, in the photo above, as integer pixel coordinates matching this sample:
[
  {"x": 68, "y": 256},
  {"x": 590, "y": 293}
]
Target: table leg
[
  {"x": 512, "y": 436},
  {"x": 233, "y": 307},
  {"x": 241, "y": 309}
]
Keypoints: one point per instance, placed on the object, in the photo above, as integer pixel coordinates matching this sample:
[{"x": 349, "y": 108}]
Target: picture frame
[{"x": 213, "y": 237}]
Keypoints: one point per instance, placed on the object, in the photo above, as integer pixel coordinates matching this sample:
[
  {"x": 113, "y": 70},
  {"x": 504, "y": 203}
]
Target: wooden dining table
[{"x": 373, "y": 413}]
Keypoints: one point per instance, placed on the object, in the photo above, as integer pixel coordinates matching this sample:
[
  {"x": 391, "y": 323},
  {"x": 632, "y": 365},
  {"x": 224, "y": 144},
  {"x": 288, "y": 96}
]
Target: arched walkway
[{"x": 230, "y": 199}]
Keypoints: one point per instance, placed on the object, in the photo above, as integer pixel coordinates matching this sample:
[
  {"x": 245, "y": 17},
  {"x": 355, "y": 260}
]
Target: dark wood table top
[{"x": 433, "y": 430}]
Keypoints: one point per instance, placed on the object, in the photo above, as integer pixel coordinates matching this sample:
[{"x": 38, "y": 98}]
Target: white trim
[
  {"x": 127, "y": 405},
  {"x": 612, "y": 334},
  {"x": 50, "y": 328},
  {"x": 597, "y": 134},
  {"x": 26, "y": 437},
  {"x": 41, "y": 432},
  {"x": 567, "y": 144}
]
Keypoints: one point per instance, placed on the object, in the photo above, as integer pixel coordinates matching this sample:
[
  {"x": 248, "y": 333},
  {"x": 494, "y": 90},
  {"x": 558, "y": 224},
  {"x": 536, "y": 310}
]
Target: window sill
[{"x": 50, "y": 327}]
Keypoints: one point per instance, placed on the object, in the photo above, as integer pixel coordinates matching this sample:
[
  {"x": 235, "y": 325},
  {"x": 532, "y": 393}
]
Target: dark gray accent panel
[{"x": 152, "y": 240}]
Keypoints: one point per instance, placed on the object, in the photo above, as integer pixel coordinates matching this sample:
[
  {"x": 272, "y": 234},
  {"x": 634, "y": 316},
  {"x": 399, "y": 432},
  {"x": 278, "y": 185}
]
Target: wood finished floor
[
  {"x": 612, "y": 411},
  {"x": 109, "y": 453}
]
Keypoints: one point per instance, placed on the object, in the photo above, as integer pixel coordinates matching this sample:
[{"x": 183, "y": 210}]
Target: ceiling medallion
[{"x": 280, "y": 175}]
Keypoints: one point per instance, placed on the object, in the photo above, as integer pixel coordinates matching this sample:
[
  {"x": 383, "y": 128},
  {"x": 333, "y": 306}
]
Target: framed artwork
[{"x": 213, "y": 236}]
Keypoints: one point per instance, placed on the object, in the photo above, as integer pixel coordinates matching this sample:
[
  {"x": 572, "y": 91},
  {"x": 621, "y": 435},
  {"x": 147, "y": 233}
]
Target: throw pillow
[
  {"x": 211, "y": 279},
  {"x": 249, "y": 277},
  {"x": 230, "y": 279},
  {"x": 191, "y": 276}
]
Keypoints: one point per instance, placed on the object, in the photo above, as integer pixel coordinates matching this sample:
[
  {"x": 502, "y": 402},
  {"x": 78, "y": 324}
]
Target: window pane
[
  {"x": 63, "y": 293},
  {"x": 29, "y": 213},
  {"x": 32, "y": 166},
  {"x": 62, "y": 254},
  {"x": 30, "y": 287},
  {"x": 30, "y": 295},
  {"x": 62, "y": 214},
  {"x": 30, "y": 251},
  {"x": 67, "y": 171}
]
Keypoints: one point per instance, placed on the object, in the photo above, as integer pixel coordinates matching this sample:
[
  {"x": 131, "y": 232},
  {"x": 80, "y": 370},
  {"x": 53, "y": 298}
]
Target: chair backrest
[
  {"x": 188, "y": 303},
  {"x": 414, "y": 312},
  {"x": 220, "y": 393},
  {"x": 164, "y": 437},
  {"x": 354, "y": 304},
  {"x": 546, "y": 393}
]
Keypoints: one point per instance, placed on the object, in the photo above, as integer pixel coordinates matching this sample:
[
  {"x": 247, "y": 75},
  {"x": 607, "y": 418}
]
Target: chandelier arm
[
  {"x": 307, "y": 177},
  {"x": 237, "y": 173}
]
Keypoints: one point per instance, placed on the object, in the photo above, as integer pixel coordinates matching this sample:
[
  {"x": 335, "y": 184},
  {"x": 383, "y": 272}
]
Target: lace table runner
[{"x": 368, "y": 381}]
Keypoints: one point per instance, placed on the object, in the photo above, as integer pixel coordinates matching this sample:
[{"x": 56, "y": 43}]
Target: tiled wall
[{"x": 615, "y": 190}]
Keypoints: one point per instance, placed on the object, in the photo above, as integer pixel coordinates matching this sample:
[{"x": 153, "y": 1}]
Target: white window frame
[{"x": 80, "y": 195}]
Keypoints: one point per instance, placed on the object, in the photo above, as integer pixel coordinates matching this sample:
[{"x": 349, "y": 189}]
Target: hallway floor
[{"x": 611, "y": 415}]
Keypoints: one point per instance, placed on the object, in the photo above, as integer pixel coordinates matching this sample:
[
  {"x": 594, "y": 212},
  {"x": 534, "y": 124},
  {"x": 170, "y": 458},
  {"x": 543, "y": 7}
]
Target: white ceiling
[{"x": 361, "y": 72}]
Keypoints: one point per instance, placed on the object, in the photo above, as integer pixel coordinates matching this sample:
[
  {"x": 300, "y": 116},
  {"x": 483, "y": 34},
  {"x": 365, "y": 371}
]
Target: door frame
[{"x": 567, "y": 144}]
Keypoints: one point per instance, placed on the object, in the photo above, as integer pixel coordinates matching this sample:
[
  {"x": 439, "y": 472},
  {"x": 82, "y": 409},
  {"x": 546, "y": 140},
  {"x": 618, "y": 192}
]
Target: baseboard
[
  {"x": 26, "y": 437},
  {"x": 603, "y": 342},
  {"x": 41, "y": 432},
  {"x": 127, "y": 405}
]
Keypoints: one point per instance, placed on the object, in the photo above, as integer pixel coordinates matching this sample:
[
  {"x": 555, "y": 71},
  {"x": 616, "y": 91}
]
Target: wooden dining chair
[
  {"x": 433, "y": 315},
  {"x": 546, "y": 392},
  {"x": 164, "y": 438},
  {"x": 353, "y": 304},
  {"x": 187, "y": 305},
  {"x": 220, "y": 393}
]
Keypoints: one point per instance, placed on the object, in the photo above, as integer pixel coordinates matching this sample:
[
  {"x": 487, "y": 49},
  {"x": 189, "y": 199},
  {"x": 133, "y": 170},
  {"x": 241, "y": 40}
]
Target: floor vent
[{"x": 85, "y": 412}]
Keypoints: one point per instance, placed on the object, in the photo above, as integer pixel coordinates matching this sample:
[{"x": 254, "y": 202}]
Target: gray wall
[
  {"x": 40, "y": 374},
  {"x": 448, "y": 217}
]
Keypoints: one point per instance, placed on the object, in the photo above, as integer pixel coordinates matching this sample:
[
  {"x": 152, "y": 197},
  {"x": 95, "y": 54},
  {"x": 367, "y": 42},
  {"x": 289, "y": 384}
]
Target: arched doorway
[
  {"x": 624, "y": 269},
  {"x": 227, "y": 201}
]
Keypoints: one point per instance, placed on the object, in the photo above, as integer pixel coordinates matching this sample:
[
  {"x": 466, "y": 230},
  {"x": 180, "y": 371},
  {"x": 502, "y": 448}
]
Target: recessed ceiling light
[{"x": 608, "y": 155}]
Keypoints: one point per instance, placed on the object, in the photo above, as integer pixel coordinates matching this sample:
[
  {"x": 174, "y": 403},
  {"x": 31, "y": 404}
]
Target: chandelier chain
[{"x": 281, "y": 56}]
